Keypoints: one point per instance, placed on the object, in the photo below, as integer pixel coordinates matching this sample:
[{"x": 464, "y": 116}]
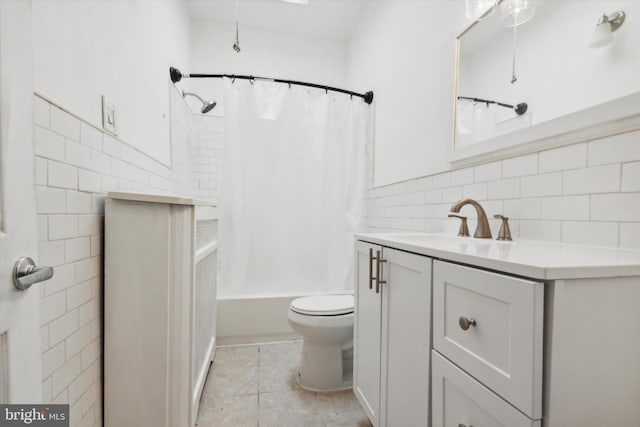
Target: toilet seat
[{"x": 323, "y": 305}]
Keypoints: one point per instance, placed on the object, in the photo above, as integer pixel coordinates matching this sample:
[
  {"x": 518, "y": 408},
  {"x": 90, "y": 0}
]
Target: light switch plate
[{"x": 109, "y": 117}]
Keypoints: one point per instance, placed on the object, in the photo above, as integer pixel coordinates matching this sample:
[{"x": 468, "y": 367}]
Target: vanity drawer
[
  {"x": 491, "y": 326},
  {"x": 459, "y": 400}
]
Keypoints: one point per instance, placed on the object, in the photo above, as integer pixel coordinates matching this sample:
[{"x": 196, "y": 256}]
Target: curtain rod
[
  {"x": 176, "y": 76},
  {"x": 520, "y": 109}
]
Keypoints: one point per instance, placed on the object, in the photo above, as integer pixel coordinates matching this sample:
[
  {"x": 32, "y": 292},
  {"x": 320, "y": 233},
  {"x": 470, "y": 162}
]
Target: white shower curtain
[{"x": 292, "y": 189}]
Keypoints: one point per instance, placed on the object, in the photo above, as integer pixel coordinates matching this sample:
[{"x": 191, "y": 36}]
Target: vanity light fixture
[
  {"x": 607, "y": 24},
  {"x": 236, "y": 43},
  {"x": 517, "y": 12},
  {"x": 477, "y": 10}
]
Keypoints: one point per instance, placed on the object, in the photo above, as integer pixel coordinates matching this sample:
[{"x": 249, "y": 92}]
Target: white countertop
[
  {"x": 172, "y": 199},
  {"x": 534, "y": 259}
]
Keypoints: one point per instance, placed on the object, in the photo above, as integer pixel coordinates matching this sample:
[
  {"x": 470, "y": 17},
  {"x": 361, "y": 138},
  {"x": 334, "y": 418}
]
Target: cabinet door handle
[
  {"x": 462, "y": 425},
  {"x": 371, "y": 258},
  {"x": 465, "y": 323},
  {"x": 379, "y": 271}
]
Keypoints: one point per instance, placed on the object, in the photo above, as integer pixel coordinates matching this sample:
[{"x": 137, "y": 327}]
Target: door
[
  {"x": 406, "y": 339},
  {"x": 367, "y": 317},
  {"x": 19, "y": 310}
]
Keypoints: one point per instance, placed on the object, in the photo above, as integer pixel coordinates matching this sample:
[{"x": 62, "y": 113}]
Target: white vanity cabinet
[
  {"x": 525, "y": 334},
  {"x": 392, "y": 335},
  {"x": 159, "y": 308}
]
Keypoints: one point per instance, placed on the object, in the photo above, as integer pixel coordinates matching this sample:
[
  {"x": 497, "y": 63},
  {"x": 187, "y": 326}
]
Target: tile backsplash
[
  {"x": 583, "y": 193},
  {"x": 586, "y": 193}
]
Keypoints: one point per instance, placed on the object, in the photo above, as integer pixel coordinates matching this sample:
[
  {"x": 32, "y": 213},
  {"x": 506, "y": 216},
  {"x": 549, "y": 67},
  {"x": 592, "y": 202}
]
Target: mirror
[{"x": 547, "y": 64}]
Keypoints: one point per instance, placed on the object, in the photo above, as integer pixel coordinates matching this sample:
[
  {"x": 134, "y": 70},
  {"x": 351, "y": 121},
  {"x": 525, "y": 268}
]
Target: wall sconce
[{"x": 607, "y": 24}]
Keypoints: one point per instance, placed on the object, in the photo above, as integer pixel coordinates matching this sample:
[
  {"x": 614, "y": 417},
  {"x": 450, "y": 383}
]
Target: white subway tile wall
[
  {"x": 585, "y": 193},
  {"x": 76, "y": 165}
]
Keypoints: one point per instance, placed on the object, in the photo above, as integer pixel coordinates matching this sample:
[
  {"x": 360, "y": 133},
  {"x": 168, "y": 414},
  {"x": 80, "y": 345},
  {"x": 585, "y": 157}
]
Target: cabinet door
[
  {"x": 366, "y": 349},
  {"x": 406, "y": 339}
]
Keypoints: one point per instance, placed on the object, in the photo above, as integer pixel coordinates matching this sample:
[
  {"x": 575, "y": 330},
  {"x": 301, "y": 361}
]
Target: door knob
[{"x": 25, "y": 273}]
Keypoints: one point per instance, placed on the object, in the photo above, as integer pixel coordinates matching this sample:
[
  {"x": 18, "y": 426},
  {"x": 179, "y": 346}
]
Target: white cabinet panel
[
  {"x": 503, "y": 349},
  {"x": 406, "y": 341},
  {"x": 160, "y": 309},
  {"x": 392, "y": 341},
  {"x": 459, "y": 400},
  {"x": 366, "y": 343}
]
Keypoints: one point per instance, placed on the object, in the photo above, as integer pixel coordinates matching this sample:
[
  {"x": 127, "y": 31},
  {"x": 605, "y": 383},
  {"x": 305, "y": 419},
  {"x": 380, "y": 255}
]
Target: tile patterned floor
[{"x": 255, "y": 385}]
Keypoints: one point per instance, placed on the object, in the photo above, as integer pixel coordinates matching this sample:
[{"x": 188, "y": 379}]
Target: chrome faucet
[{"x": 483, "y": 231}]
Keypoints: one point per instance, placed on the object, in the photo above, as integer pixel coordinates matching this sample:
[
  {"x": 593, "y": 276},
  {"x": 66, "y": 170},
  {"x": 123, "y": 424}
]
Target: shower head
[{"x": 206, "y": 106}]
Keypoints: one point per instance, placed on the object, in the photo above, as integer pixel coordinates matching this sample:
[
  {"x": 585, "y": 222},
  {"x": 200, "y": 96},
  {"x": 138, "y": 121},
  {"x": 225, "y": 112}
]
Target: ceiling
[{"x": 330, "y": 19}]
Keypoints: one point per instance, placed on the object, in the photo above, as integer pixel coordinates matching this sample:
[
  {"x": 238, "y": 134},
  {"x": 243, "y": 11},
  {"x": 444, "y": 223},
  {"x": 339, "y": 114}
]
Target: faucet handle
[
  {"x": 505, "y": 231},
  {"x": 464, "y": 228}
]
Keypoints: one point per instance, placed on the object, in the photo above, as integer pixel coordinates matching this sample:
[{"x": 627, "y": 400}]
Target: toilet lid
[{"x": 323, "y": 305}]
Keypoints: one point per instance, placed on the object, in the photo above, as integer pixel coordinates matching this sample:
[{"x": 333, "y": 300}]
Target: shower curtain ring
[
  {"x": 326, "y": 90},
  {"x": 233, "y": 78},
  {"x": 251, "y": 79},
  {"x": 289, "y": 85}
]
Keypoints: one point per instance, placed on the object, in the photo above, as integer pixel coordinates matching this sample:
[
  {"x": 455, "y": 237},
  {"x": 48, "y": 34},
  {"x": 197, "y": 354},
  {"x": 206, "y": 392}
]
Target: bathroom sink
[
  {"x": 440, "y": 243},
  {"x": 439, "y": 239},
  {"x": 420, "y": 237}
]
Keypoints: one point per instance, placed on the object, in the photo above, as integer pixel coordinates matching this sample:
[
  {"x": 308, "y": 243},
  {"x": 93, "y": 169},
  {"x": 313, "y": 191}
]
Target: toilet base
[
  {"x": 346, "y": 385},
  {"x": 325, "y": 367}
]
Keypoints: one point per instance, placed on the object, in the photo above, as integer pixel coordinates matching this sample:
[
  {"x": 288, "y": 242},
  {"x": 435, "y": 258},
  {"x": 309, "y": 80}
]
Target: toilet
[{"x": 325, "y": 323}]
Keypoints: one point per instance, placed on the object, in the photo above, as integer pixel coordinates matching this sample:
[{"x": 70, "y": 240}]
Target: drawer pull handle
[
  {"x": 379, "y": 271},
  {"x": 462, "y": 425},
  {"x": 371, "y": 258},
  {"x": 465, "y": 323}
]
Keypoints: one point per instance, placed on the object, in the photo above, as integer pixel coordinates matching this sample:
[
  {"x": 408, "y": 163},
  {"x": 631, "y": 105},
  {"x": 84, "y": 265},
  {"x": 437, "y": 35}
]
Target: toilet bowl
[{"x": 325, "y": 323}]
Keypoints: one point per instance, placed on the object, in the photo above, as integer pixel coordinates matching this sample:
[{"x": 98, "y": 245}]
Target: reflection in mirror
[{"x": 545, "y": 61}]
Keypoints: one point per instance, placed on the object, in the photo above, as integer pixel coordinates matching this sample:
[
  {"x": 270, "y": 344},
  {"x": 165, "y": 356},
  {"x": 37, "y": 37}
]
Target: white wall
[
  {"x": 264, "y": 53},
  {"x": 405, "y": 52},
  {"x": 121, "y": 49}
]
